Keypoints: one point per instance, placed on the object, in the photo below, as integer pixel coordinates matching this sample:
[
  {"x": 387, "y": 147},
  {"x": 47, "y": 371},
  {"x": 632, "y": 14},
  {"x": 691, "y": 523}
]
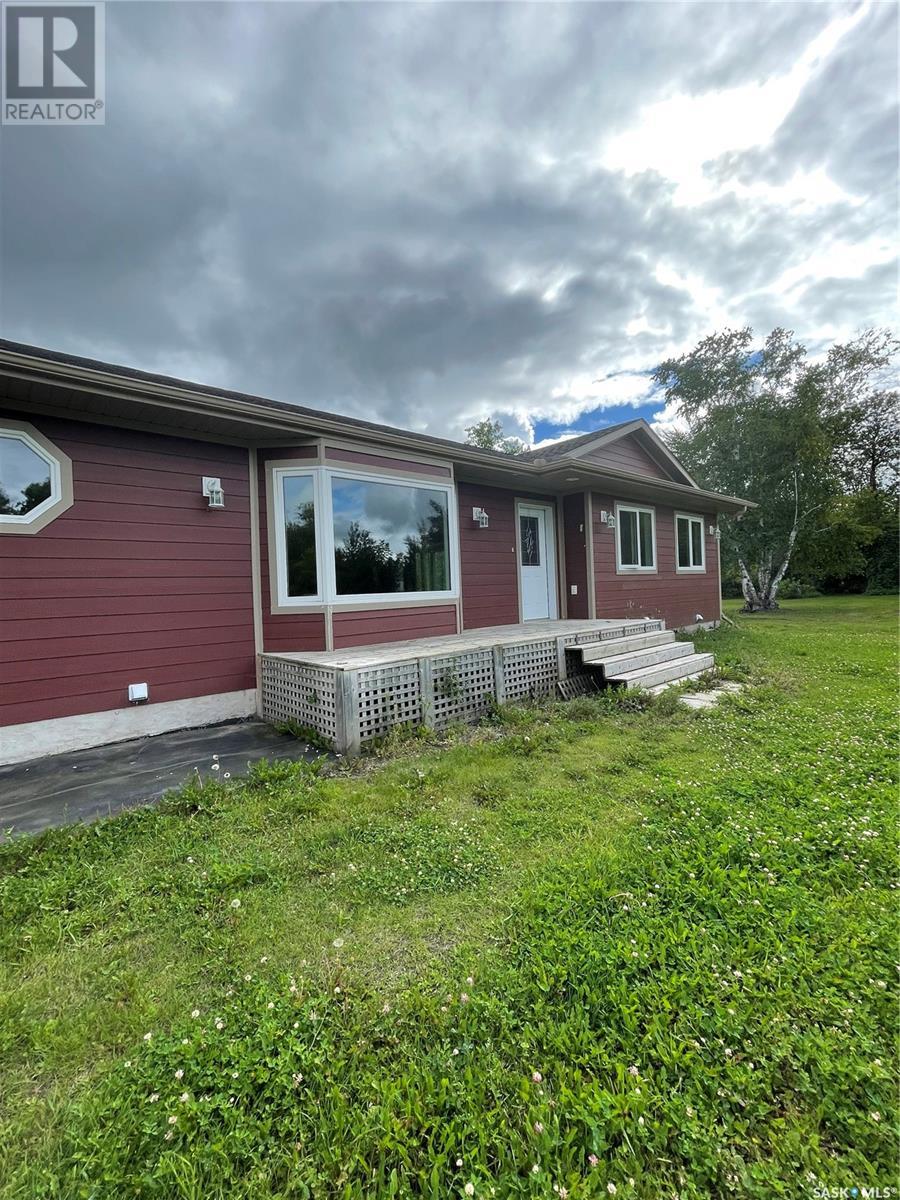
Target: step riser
[
  {"x": 682, "y": 668},
  {"x": 593, "y": 651},
  {"x": 644, "y": 658}
]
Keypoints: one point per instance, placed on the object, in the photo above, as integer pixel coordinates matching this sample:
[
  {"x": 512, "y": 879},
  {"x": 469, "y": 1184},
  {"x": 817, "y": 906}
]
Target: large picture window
[
  {"x": 344, "y": 537},
  {"x": 389, "y": 537},
  {"x": 636, "y": 538},
  {"x": 689, "y": 549}
]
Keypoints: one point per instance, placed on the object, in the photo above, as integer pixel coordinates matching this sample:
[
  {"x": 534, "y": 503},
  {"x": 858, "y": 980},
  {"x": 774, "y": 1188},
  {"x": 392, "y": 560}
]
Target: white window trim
[
  {"x": 61, "y": 492},
  {"x": 626, "y": 568},
  {"x": 325, "y": 570},
  {"x": 701, "y": 570}
]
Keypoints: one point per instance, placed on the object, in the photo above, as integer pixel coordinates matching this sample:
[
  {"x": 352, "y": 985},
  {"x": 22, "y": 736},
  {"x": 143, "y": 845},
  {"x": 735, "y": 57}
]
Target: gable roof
[
  {"x": 69, "y": 385},
  {"x": 578, "y": 447},
  {"x": 564, "y": 447}
]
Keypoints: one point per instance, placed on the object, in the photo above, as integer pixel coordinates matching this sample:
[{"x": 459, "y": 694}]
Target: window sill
[
  {"x": 690, "y": 570},
  {"x": 363, "y": 603}
]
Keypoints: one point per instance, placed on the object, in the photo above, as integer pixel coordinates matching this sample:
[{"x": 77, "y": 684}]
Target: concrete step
[
  {"x": 689, "y": 666},
  {"x": 661, "y": 687},
  {"x": 618, "y": 664},
  {"x": 593, "y": 651}
]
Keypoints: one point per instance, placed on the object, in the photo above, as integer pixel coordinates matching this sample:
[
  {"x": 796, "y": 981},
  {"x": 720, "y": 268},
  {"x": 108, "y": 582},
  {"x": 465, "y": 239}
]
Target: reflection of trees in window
[
  {"x": 24, "y": 478},
  {"x": 300, "y": 539},
  {"x": 300, "y": 535},
  {"x": 366, "y": 565},
  {"x": 32, "y": 495}
]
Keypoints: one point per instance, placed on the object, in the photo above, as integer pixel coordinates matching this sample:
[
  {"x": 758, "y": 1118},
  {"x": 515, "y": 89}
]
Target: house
[{"x": 175, "y": 555}]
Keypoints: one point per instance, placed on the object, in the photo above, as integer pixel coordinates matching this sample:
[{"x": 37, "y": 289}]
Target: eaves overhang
[{"x": 45, "y": 381}]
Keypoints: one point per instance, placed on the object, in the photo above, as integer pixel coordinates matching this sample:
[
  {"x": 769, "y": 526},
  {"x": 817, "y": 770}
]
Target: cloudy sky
[{"x": 425, "y": 214}]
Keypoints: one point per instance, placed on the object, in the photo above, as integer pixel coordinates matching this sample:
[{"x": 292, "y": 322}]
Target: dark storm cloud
[{"x": 406, "y": 212}]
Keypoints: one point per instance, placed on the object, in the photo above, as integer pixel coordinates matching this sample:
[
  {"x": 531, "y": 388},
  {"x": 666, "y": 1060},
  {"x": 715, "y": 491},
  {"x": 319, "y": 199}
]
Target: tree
[
  {"x": 873, "y": 444},
  {"x": 768, "y": 424},
  {"x": 488, "y": 435}
]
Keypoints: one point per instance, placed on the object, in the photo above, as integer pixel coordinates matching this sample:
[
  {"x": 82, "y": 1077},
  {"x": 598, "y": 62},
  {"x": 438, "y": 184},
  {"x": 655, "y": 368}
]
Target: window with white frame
[
  {"x": 690, "y": 552},
  {"x": 344, "y": 537},
  {"x": 635, "y": 538},
  {"x": 35, "y": 479}
]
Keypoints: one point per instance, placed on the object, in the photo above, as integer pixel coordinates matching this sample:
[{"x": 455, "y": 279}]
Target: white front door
[{"x": 537, "y": 561}]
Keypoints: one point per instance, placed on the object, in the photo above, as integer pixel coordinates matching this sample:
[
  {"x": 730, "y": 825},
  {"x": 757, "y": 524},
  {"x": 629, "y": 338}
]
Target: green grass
[{"x": 584, "y": 947}]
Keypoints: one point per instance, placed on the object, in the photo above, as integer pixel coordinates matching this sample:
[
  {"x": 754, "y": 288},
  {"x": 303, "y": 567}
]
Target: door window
[{"x": 531, "y": 542}]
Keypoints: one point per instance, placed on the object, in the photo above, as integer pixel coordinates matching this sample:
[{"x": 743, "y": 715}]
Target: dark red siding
[
  {"x": 370, "y": 626},
  {"x": 674, "y": 597},
  {"x": 627, "y": 454},
  {"x": 283, "y": 631},
  {"x": 139, "y": 581},
  {"x": 490, "y": 571},
  {"x": 379, "y": 462},
  {"x": 575, "y": 537}
]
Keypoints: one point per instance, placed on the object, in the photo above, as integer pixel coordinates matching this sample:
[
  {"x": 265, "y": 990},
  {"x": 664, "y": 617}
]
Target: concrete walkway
[{"x": 86, "y": 784}]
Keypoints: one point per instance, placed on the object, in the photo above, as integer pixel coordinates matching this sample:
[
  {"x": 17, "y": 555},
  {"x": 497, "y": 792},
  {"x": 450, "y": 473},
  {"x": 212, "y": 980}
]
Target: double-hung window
[
  {"x": 690, "y": 553},
  {"x": 635, "y": 538},
  {"x": 343, "y": 537}
]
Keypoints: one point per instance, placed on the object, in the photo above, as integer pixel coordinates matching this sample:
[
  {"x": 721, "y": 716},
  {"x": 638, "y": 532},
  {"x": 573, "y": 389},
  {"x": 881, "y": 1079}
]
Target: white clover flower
[
  {"x": 220, "y": 1024},
  {"x": 184, "y": 1097},
  {"x": 173, "y": 1119},
  {"x": 235, "y": 903},
  {"x": 179, "y": 1074},
  {"x": 469, "y": 1189},
  {"x": 195, "y": 1012},
  {"x": 147, "y": 1037},
  {"x": 536, "y": 1077},
  {"x": 154, "y": 1096}
]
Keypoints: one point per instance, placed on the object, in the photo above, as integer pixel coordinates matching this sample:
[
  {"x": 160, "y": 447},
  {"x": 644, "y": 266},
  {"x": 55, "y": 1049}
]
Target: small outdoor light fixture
[
  {"x": 138, "y": 693},
  {"x": 714, "y": 531},
  {"x": 480, "y": 517},
  {"x": 610, "y": 521},
  {"x": 212, "y": 490}
]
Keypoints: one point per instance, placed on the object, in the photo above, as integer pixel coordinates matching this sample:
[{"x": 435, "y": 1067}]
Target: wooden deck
[
  {"x": 353, "y": 657},
  {"x": 353, "y": 695}
]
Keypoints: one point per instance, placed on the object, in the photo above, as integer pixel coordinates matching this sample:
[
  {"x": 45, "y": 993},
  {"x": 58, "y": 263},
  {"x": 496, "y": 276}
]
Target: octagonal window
[{"x": 35, "y": 479}]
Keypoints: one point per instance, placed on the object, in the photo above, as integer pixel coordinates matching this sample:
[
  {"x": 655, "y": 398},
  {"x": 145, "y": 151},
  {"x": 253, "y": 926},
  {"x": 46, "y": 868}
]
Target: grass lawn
[{"x": 585, "y": 950}]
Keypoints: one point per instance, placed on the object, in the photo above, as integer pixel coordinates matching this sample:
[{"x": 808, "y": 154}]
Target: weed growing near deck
[{"x": 589, "y": 950}]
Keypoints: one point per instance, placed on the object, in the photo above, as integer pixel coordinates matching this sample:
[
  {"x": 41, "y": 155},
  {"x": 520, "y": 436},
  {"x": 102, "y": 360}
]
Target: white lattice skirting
[{"x": 350, "y": 706}]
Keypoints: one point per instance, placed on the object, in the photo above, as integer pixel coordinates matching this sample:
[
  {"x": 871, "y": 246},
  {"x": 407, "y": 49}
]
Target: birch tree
[{"x": 768, "y": 423}]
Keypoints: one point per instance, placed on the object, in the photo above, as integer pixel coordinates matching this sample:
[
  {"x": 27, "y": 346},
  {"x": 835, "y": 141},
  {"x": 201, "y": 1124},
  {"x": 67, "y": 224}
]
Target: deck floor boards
[{"x": 351, "y": 658}]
